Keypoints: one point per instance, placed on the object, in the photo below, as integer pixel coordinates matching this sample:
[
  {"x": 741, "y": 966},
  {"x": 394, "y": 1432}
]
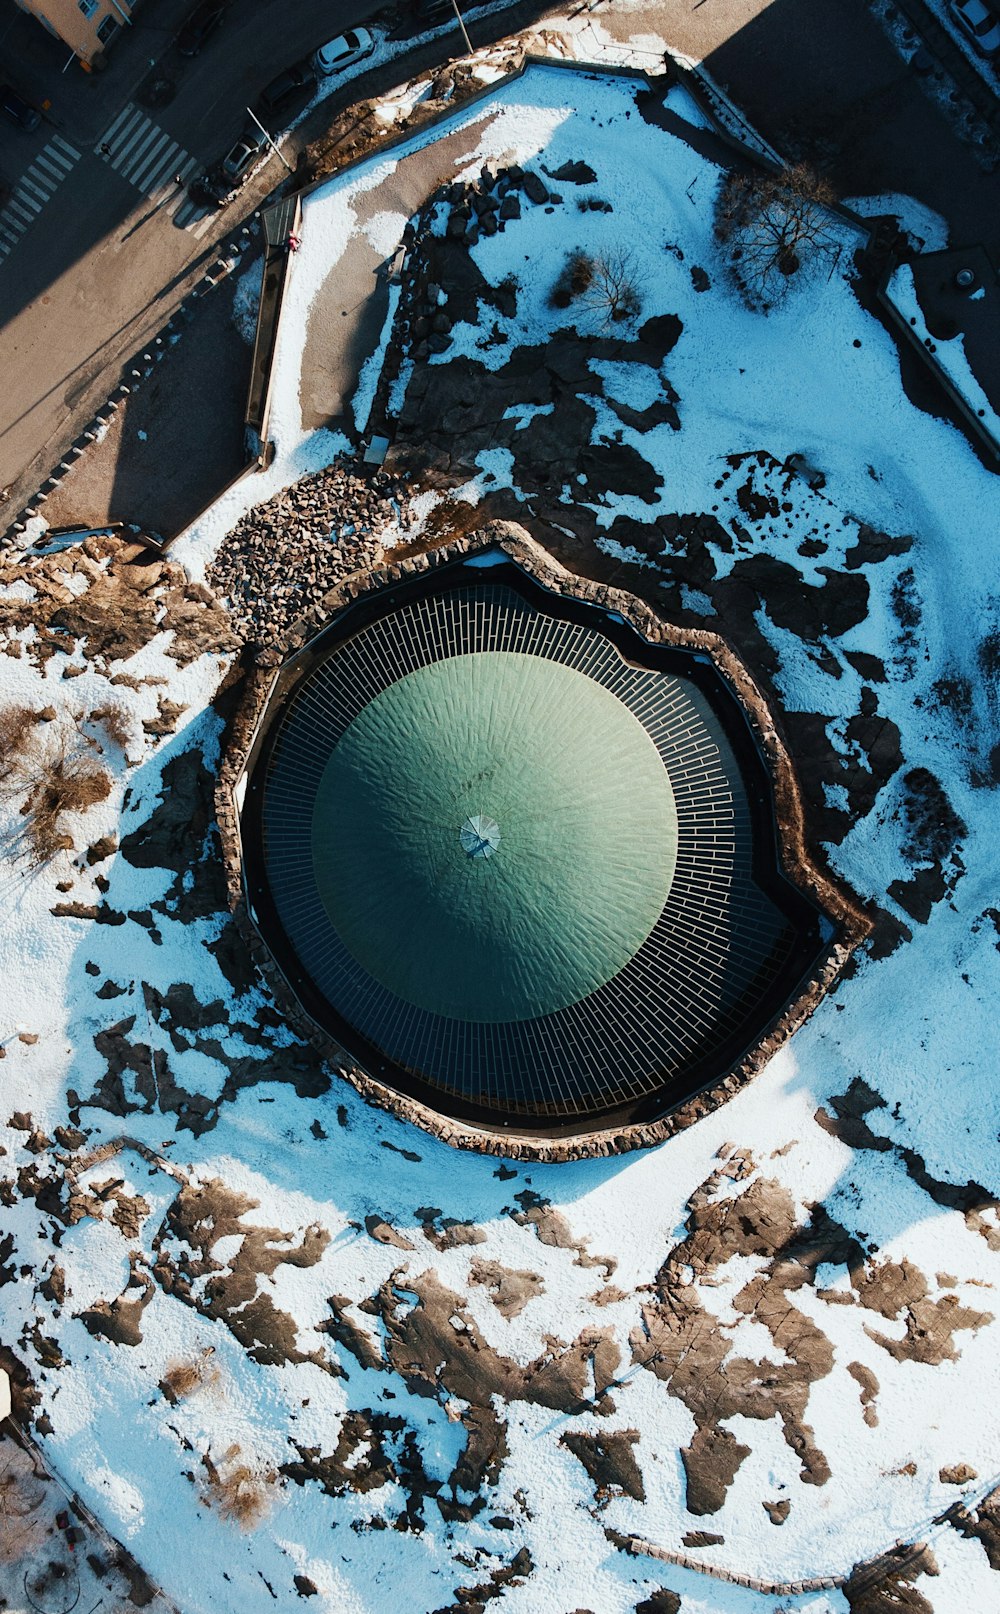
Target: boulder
[
  {"x": 534, "y": 189},
  {"x": 574, "y": 173}
]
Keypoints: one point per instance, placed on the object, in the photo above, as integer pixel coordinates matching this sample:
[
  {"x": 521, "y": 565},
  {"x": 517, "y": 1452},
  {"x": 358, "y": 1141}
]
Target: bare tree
[
  {"x": 614, "y": 293},
  {"x": 606, "y": 284},
  {"x": 772, "y": 225}
]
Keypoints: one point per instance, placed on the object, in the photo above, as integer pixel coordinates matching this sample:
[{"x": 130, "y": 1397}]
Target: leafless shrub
[
  {"x": 59, "y": 781},
  {"x": 17, "y": 726},
  {"x": 575, "y": 276},
  {"x": 189, "y": 1374},
  {"x": 614, "y": 292},
  {"x": 238, "y": 1491},
  {"x": 773, "y": 224}
]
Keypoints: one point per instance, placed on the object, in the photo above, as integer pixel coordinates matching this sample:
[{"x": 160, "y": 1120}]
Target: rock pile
[
  {"x": 109, "y": 594},
  {"x": 285, "y": 555},
  {"x": 468, "y": 210}
]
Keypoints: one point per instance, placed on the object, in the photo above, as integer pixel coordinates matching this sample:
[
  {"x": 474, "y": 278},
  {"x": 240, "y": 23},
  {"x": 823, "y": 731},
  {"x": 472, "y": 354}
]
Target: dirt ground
[
  {"x": 178, "y": 440},
  {"x": 53, "y": 1554}
]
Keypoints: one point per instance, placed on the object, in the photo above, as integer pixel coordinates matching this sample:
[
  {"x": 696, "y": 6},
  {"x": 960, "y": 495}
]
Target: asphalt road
[
  {"x": 105, "y": 260},
  {"x": 108, "y": 254}
]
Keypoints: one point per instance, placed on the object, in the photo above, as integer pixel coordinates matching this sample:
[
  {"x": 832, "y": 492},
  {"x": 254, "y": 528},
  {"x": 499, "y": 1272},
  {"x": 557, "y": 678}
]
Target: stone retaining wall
[{"x": 852, "y": 924}]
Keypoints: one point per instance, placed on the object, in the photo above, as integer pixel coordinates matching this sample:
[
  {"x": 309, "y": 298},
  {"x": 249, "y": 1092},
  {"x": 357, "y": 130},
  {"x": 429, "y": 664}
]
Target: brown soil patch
[
  {"x": 201, "y": 1215},
  {"x": 119, "y": 1320},
  {"x": 682, "y": 1344},
  {"x": 510, "y": 1289}
]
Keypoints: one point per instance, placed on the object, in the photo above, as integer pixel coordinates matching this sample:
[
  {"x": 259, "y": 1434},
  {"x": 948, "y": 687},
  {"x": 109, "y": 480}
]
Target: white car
[
  {"x": 349, "y": 48},
  {"x": 980, "y": 23}
]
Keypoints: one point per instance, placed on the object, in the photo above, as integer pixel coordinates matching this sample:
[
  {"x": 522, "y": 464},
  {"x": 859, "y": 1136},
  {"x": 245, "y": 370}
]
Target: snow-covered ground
[{"x": 443, "y": 1371}]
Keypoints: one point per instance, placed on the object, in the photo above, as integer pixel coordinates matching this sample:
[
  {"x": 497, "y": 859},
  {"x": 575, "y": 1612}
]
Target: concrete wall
[{"x": 87, "y": 35}]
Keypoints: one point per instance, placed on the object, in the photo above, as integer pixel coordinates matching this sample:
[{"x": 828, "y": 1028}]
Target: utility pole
[
  {"x": 270, "y": 142},
  {"x": 461, "y": 24}
]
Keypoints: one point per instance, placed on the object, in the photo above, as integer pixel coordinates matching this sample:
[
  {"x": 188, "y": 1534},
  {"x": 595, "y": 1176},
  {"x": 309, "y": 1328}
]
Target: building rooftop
[{"x": 517, "y": 859}]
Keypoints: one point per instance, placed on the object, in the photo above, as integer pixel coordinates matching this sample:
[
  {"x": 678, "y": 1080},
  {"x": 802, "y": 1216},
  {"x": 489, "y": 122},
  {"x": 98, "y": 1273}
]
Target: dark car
[
  {"x": 207, "y": 192},
  {"x": 421, "y": 14},
  {"x": 18, "y": 110},
  {"x": 200, "y": 26},
  {"x": 285, "y": 89}
]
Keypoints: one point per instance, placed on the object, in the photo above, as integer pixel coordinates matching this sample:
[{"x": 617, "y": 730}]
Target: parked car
[
  {"x": 343, "y": 51},
  {"x": 242, "y": 157},
  {"x": 200, "y": 26},
  {"x": 18, "y": 110},
  {"x": 980, "y": 23},
  {"x": 284, "y": 89},
  {"x": 219, "y": 185},
  {"x": 421, "y": 14}
]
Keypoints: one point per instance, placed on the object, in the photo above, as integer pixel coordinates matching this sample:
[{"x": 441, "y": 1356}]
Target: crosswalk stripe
[
  {"x": 127, "y": 111},
  {"x": 134, "y": 119},
  {"x": 33, "y": 190},
  {"x": 132, "y": 158},
  {"x": 144, "y": 159},
  {"x": 60, "y": 157},
  {"x": 155, "y": 164},
  {"x": 172, "y": 192},
  {"x": 25, "y": 204},
  {"x": 122, "y": 142},
  {"x": 52, "y": 170},
  {"x": 148, "y": 158},
  {"x": 21, "y": 203},
  {"x": 172, "y": 163}
]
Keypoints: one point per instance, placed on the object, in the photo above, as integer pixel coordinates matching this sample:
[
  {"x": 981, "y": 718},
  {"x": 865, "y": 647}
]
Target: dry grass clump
[
  {"x": 189, "y": 1374},
  {"x": 17, "y": 726},
  {"x": 238, "y": 1491},
  {"x": 116, "y": 721},
  {"x": 59, "y": 781},
  {"x": 51, "y": 774},
  {"x": 575, "y": 277}
]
